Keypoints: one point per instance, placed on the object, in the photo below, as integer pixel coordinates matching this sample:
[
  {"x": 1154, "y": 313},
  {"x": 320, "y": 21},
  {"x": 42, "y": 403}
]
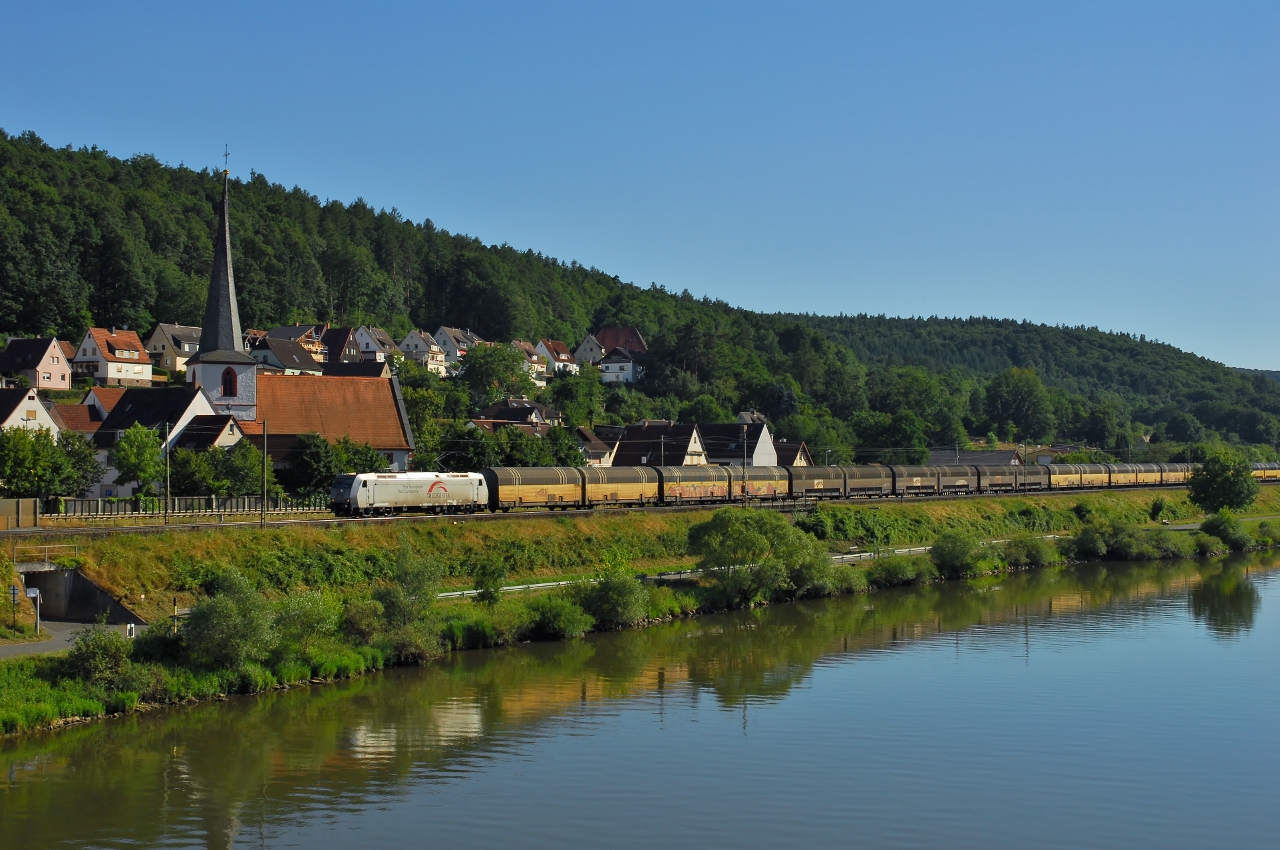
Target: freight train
[{"x": 565, "y": 487}]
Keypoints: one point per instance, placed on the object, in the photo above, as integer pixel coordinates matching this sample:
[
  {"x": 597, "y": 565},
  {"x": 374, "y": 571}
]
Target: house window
[
  {"x": 53, "y": 361},
  {"x": 166, "y": 360},
  {"x": 64, "y": 377},
  {"x": 31, "y": 414},
  {"x": 229, "y": 382}
]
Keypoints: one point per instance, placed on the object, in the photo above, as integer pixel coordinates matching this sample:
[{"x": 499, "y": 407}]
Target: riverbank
[
  {"x": 239, "y": 640},
  {"x": 148, "y": 572}
]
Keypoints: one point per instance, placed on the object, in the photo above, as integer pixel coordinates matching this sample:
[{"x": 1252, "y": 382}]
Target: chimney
[{"x": 113, "y": 330}]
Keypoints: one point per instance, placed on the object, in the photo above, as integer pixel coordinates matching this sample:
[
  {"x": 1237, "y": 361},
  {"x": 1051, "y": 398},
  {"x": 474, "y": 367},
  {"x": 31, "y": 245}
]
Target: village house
[
  {"x": 362, "y": 369},
  {"x": 423, "y": 350},
  {"x": 589, "y": 350},
  {"x": 657, "y": 442},
  {"x": 284, "y": 355},
  {"x": 725, "y": 444},
  {"x": 340, "y": 346},
  {"x": 521, "y": 409},
  {"x": 308, "y": 336},
  {"x": 375, "y": 344},
  {"x": 792, "y": 453},
  {"x": 967, "y": 457},
  {"x": 171, "y": 345},
  {"x": 455, "y": 342},
  {"x": 619, "y": 367},
  {"x": 534, "y": 362},
  {"x": 113, "y": 358},
  {"x": 595, "y": 450},
  {"x": 206, "y": 432},
  {"x": 21, "y": 408},
  {"x": 559, "y": 360},
  {"x": 42, "y": 361},
  {"x": 164, "y": 409},
  {"x": 628, "y": 338}
]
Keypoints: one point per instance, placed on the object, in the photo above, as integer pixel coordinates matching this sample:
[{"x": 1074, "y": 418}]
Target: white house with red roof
[{"x": 113, "y": 357}]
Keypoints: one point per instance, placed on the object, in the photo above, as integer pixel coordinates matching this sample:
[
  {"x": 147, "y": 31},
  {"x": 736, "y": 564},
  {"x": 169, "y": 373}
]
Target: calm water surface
[{"x": 1125, "y": 706}]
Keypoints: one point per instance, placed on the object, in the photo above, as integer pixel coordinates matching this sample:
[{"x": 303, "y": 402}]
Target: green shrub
[
  {"x": 1025, "y": 550},
  {"x": 1158, "y": 506},
  {"x": 665, "y": 602},
  {"x": 292, "y": 671},
  {"x": 556, "y": 617},
  {"x": 849, "y": 579},
  {"x": 362, "y": 618},
  {"x": 303, "y": 618},
  {"x": 1207, "y": 545},
  {"x": 98, "y": 656},
  {"x": 1266, "y": 534},
  {"x": 159, "y": 644},
  {"x": 232, "y": 628},
  {"x": 617, "y": 599},
  {"x": 474, "y": 632},
  {"x": 1169, "y": 545},
  {"x": 955, "y": 554},
  {"x": 1224, "y": 526},
  {"x": 899, "y": 570},
  {"x": 252, "y": 678}
]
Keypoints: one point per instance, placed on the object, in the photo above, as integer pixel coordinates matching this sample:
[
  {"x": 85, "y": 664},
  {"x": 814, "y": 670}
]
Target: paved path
[{"x": 63, "y": 634}]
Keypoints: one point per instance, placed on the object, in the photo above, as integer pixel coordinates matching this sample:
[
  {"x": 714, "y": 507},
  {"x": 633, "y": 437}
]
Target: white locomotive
[{"x": 372, "y": 493}]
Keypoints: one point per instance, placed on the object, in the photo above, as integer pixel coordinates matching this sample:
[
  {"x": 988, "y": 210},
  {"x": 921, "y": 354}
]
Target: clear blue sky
[{"x": 1105, "y": 164}]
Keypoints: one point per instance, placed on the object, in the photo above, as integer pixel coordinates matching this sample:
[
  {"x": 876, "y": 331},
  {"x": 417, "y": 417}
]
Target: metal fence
[{"x": 190, "y": 505}]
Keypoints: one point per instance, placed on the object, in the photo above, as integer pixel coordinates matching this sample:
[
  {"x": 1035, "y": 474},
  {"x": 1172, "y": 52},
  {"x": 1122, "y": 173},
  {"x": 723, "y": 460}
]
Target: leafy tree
[
  {"x": 241, "y": 468},
  {"x": 489, "y": 573},
  {"x": 314, "y": 466},
  {"x": 1184, "y": 428},
  {"x": 494, "y": 372},
  {"x": 232, "y": 627},
  {"x": 31, "y": 463},
  {"x": 751, "y": 555},
  {"x": 1018, "y": 396},
  {"x": 303, "y": 618},
  {"x": 81, "y": 469},
  {"x": 1224, "y": 480},
  {"x": 1101, "y": 427},
  {"x": 350, "y": 456},
  {"x": 137, "y": 457},
  {"x": 706, "y": 410},
  {"x": 194, "y": 473},
  {"x": 580, "y": 398}
]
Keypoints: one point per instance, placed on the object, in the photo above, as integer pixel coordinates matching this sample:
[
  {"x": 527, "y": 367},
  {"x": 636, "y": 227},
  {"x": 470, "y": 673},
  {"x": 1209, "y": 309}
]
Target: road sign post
[
  {"x": 34, "y": 593},
  {"x": 13, "y": 602}
]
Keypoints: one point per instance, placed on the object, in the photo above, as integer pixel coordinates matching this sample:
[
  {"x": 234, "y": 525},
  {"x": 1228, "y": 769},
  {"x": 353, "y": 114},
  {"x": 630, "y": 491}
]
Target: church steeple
[
  {"x": 223, "y": 370},
  {"x": 221, "y": 331}
]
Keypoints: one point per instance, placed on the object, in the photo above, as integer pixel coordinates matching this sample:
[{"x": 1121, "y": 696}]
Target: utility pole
[
  {"x": 166, "y": 473},
  {"x": 264, "y": 473},
  {"x": 744, "y": 463},
  {"x": 662, "y": 450}
]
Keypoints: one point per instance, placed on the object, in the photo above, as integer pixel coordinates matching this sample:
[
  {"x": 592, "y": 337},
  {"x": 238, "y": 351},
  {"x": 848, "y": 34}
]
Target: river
[{"x": 1116, "y": 705}]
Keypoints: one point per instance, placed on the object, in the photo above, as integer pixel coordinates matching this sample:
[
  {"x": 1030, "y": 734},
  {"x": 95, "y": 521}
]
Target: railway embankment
[
  {"x": 273, "y": 612},
  {"x": 148, "y": 571}
]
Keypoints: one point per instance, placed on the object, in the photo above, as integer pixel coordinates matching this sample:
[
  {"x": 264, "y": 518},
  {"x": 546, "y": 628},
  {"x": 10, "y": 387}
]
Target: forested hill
[{"x": 89, "y": 238}]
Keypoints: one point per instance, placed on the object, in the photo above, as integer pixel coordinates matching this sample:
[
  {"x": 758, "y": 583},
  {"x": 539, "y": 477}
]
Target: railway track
[{"x": 786, "y": 505}]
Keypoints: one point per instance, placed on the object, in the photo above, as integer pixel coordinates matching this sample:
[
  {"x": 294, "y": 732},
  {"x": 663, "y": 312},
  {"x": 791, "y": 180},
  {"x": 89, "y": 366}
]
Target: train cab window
[{"x": 364, "y": 484}]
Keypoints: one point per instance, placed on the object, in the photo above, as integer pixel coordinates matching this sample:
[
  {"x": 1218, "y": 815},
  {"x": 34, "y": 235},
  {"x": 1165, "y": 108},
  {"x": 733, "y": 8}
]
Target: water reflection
[
  {"x": 238, "y": 771},
  {"x": 1226, "y": 601}
]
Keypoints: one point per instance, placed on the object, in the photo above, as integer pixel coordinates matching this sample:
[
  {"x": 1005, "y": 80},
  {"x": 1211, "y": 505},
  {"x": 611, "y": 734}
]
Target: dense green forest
[{"x": 89, "y": 238}]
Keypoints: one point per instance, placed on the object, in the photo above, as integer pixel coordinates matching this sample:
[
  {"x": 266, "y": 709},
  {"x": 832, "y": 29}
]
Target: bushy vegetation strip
[{"x": 265, "y": 618}]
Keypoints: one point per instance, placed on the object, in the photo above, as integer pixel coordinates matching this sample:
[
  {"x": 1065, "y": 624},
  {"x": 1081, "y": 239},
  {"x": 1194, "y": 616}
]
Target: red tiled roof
[
  {"x": 78, "y": 417},
  {"x": 558, "y": 350},
  {"x": 363, "y": 409},
  {"x": 109, "y": 343},
  {"x": 611, "y": 338},
  {"x": 68, "y": 350},
  {"x": 108, "y": 396}
]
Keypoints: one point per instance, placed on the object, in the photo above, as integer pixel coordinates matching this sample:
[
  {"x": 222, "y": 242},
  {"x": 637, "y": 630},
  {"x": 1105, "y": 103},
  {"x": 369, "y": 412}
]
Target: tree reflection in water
[
  {"x": 201, "y": 775},
  {"x": 1226, "y": 602}
]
